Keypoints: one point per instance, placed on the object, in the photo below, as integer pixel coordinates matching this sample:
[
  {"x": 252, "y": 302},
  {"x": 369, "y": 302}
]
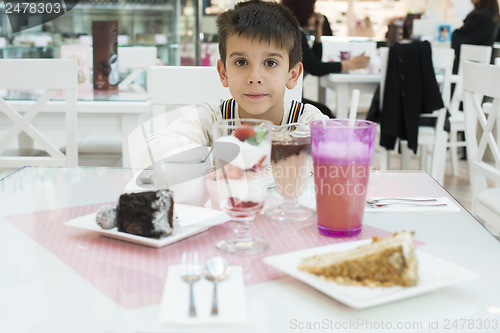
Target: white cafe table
[
  {"x": 98, "y": 113},
  {"x": 343, "y": 84},
  {"x": 44, "y": 289}
]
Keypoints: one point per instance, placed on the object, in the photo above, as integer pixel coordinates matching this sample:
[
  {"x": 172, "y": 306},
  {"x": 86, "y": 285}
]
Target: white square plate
[
  {"x": 434, "y": 273},
  {"x": 189, "y": 221}
]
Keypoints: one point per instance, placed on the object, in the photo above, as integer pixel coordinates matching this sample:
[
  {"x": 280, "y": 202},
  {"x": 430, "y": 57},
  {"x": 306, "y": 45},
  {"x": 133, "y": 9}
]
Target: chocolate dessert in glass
[{"x": 291, "y": 164}]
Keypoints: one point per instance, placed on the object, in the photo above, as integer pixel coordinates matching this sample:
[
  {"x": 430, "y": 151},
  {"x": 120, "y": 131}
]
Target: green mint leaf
[{"x": 257, "y": 138}]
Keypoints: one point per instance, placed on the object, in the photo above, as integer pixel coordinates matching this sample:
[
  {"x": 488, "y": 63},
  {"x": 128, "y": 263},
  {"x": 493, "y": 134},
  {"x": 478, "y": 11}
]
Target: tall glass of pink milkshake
[{"x": 341, "y": 159}]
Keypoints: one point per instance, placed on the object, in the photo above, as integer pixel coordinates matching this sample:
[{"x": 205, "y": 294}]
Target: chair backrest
[
  {"x": 481, "y": 130},
  {"x": 51, "y": 75},
  {"x": 442, "y": 61},
  {"x": 135, "y": 60},
  {"x": 476, "y": 53},
  {"x": 183, "y": 85},
  {"x": 384, "y": 57}
]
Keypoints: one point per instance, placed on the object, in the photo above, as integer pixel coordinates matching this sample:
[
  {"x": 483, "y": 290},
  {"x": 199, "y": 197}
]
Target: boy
[{"x": 260, "y": 50}]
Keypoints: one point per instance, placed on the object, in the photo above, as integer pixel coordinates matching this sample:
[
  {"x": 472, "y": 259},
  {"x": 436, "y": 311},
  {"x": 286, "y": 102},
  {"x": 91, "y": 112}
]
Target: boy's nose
[{"x": 254, "y": 76}]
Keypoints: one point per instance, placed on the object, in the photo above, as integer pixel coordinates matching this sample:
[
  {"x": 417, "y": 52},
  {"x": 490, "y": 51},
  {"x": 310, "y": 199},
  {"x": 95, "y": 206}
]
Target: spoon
[
  {"x": 195, "y": 161},
  {"x": 216, "y": 270}
]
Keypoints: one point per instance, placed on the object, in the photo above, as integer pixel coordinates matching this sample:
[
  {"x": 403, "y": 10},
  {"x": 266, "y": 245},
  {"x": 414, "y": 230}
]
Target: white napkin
[
  {"x": 450, "y": 206},
  {"x": 174, "y": 307}
]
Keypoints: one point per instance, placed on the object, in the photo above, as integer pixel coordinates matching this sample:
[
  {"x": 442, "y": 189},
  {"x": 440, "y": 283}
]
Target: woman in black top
[
  {"x": 312, "y": 23},
  {"x": 311, "y": 57},
  {"x": 303, "y": 11},
  {"x": 480, "y": 27}
]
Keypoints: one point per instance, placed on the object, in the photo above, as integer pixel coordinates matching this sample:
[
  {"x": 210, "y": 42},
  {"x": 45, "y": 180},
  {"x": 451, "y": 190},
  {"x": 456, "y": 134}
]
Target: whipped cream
[{"x": 249, "y": 155}]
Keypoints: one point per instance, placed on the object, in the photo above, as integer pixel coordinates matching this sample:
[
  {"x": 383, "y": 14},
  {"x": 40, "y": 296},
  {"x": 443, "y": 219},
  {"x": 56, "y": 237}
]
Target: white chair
[
  {"x": 51, "y": 76},
  {"x": 476, "y": 53},
  {"x": 432, "y": 140},
  {"x": 180, "y": 85},
  {"x": 483, "y": 141},
  {"x": 380, "y": 153},
  {"x": 171, "y": 87},
  {"x": 135, "y": 60}
]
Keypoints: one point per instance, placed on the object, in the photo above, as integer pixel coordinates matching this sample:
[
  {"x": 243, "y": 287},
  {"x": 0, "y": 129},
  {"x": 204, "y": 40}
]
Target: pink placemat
[{"x": 134, "y": 275}]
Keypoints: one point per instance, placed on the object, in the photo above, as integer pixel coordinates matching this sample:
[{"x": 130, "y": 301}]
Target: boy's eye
[
  {"x": 240, "y": 62},
  {"x": 271, "y": 63}
]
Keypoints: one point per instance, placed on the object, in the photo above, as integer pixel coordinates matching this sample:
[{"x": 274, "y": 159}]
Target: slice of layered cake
[{"x": 384, "y": 262}]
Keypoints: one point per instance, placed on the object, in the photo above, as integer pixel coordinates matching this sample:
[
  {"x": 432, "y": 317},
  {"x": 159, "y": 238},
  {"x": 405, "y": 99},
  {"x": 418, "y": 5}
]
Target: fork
[
  {"x": 375, "y": 201},
  {"x": 190, "y": 273}
]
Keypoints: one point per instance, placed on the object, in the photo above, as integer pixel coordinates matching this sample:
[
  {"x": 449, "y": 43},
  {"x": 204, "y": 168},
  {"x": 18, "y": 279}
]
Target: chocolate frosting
[{"x": 283, "y": 149}]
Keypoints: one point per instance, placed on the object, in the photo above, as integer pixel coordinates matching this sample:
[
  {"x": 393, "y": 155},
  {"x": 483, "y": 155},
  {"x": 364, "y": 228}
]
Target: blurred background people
[
  {"x": 314, "y": 21},
  {"x": 311, "y": 56},
  {"x": 480, "y": 27},
  {"x": 364, "y": 28}
]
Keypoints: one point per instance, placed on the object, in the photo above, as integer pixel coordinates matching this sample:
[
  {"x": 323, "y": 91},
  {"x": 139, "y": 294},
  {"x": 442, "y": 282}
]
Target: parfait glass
[
  {"x": 292, "y": 165},
  {"x": 241, "y": 150}
]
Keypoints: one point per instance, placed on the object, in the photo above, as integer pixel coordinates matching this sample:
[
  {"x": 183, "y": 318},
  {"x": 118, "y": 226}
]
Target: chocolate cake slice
[{"x": 147, "y": 214}]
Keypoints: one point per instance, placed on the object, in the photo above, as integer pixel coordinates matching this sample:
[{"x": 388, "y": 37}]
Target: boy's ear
[
  {"x": 294, "y": 75},
  {"x": 222, "y": 73}
]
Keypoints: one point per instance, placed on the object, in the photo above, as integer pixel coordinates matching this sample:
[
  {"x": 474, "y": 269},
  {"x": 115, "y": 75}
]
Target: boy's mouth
[{"x": 255, "y": 96}]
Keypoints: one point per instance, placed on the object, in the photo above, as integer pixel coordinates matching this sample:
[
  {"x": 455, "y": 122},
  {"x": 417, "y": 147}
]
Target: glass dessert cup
[
  {"x": 291, "y": 165},
  {"x": 242, "y": 151}
]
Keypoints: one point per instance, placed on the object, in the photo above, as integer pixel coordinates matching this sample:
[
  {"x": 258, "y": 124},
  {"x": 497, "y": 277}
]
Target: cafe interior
[{"x": 382, "y": 213}]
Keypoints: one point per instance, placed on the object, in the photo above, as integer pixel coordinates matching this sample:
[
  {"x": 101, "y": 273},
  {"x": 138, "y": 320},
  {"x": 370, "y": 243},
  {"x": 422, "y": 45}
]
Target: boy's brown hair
[{"x": 263, "y": 20}]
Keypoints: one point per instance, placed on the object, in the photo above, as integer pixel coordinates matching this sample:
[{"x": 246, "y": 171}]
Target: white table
[
  {"x": 42, "y": 293},
  {"x": 343, "y": 84},
  {"x": 102, "y": 113}
]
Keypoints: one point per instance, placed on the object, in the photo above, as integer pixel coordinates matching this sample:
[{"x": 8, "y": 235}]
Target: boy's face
[{"x": 257, "y": 74}]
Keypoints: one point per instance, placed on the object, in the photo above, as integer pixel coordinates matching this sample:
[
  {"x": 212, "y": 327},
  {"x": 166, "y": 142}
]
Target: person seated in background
[
  {"x": 311, "y": 57},
  {"x": 260, "y": 56},
  {"x": 480, "y": 27},
  {"x": 314, "y": 21}
]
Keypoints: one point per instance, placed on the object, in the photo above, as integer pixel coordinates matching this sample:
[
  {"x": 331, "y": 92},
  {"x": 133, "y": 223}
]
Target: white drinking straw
[{"x": 354, "y": 107}]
